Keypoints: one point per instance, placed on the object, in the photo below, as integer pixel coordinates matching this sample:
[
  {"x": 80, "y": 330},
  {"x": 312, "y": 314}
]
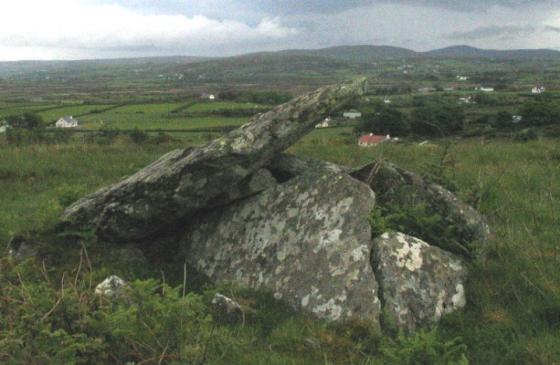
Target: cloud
[
  {"x": 550, "y": 28},
  {"x": 77, "y": 25},
  {"x": 291, "y": 7},
  {"x": 493, "y": 31}
]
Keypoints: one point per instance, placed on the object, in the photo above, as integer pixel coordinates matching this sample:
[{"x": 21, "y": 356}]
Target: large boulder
[
  {"x": 396, "y": 186},
  {"x": 306, "y": 240},
  {"x": 185, "y": 182},
  {"x": 418, "y": 283}
]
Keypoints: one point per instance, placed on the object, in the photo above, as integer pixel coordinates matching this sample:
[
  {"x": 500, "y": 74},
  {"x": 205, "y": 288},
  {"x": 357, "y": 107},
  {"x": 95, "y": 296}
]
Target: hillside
[{"x": 472, "y": 52}]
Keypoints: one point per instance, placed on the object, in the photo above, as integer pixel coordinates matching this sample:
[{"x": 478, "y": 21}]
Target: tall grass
[{"x": 513, "y": 313}]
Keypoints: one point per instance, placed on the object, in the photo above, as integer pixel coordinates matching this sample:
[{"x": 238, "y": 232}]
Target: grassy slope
[{"x": 514, "y": 310}]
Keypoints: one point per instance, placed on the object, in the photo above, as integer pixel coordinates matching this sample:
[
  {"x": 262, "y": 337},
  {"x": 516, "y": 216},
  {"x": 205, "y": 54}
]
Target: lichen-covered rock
[
  {"x": 396, "y": 186},
  {"x": 285, "y": 166},
  {"x": 307, "y": 241},
  {"x": 418, "y": 283},
  {"x": 185, "y": 182}
]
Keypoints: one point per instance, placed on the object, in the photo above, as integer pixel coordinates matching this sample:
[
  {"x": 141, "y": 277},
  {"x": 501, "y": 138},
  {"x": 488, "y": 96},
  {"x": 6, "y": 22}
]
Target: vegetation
[
  {"x": 49, "y": 313},
  {"x": 512, "y": 315},
  {"x": 384, "y": 121}
]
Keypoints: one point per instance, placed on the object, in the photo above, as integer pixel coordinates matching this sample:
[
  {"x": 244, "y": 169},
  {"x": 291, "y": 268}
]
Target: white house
[
  {"x": 387, "y": 101},
  {"x": 485, "y": 89},
  {"x": 466, "y": 100},
  {"x": 208, "y": 96},
  {"x": 324, "y": 123},
  {"x": 538, "y": 90},
  {"x": 352, "y": 114},
  {"x": 515, "y": 119},
  {"x": 462, "y": 78},
  {"x": 66, "y": 122},
  {"x": 4, "y": 126}
]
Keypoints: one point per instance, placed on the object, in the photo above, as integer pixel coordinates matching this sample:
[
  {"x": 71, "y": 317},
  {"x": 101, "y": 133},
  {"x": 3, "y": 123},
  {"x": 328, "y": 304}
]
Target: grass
[
  {"x": 513, "y": 315},
  {"x": 220, "y": 105},
  {"x": 52, "y": 115}
]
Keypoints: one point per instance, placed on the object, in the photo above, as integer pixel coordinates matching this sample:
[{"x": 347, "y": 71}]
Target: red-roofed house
[{"x": 368, "y": 140}]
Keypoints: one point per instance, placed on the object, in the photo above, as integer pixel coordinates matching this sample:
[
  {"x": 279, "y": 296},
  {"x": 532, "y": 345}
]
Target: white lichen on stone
[{"x": 410, "y": 255}]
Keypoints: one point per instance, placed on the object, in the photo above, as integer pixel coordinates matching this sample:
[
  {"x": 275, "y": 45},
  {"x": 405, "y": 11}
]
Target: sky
[{"x": 85, "y": 29}]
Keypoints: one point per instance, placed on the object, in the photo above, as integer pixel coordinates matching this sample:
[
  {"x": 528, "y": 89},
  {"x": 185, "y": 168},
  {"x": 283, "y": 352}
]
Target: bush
[
  {"x": 437, "y": 120},
  {"x": 386, "y": 120},
  {"x": 539, "y": 113},
  {"x": 26, "y": 120},
  {"x": 139, "y": 136}
]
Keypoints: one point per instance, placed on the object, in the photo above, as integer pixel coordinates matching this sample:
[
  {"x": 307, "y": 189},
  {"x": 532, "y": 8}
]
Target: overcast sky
[{"x": 77, "y": 29}]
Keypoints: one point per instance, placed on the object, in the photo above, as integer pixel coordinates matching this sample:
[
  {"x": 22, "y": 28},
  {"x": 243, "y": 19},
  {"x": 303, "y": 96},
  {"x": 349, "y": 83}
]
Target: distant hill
[
  {"x": 356, "y": 53},
  {"x": 472, "y": 52}
]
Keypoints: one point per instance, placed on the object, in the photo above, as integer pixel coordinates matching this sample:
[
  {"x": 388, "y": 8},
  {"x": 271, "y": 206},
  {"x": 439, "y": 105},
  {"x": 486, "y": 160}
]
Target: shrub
[
  {"x": 139, "y": 136},
  {"x": 386, "y": 120},
  {"x": 437, "y": 120}
]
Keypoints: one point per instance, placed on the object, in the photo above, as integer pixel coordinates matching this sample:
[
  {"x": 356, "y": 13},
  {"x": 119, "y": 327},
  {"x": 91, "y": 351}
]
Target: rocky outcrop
[
  {"x": 418, "y": 283},
  {"x": 244, "y": 213},
  {"x": 307, "y": 241},
  {"x": 185, "y": 182},
  {"x": 285, "y": 166},
  {"x": 396, "y": 186}
]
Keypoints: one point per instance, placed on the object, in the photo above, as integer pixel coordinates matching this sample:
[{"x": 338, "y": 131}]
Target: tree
[
  {"x": 539, "y": 113},
  {"x": 386, "y": 120},
  {"x": 437, "y": 120},
  {"x": 504, "y": 120},
  {"x": 26, "y": 120}
]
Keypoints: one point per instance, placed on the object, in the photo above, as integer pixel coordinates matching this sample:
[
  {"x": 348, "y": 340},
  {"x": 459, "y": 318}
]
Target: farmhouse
[
  {"x": 208, "y": 96},
  {"x": 324, "y": 123},
  {"x": 352, "y": 114},
  {"x": 66, "y": 122},
  {"x": 466, "y": 100},
  {"x": 462, "y": 78},
  {"x": 516, "y": 119},
  {"x": 4, "y": 126},
  {"x": 538, "y": 90},
  {"x": 370, "y": 140},
  {"x": 485, "y": 89}
]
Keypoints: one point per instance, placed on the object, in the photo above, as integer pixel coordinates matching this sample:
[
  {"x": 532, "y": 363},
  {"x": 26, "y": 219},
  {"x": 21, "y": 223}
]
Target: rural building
[
  {"x": 4, "y": 126},
  {"x": 516, "y": 119},
  {"x": 538, "y": 90},
  {"x": 485, "y": 89},
  {"x": 426, "y": 90},
  {"x": 324, "y": 123},
  {"x": 208, "y": 96},
  {"x": 66, "y": 122},
  {"x": 466, "y": 100},
  {"x": 387, "y": 101},
  {"x": 462, "y": 78},
  {"x": 370, "y": 140},
  {"x": 352, "y": 114}
]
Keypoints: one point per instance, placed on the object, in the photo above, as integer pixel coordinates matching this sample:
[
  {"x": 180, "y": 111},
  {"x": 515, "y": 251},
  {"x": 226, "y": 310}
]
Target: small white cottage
[
  {"x": 208, "y": 96},
  {"x": 352, "y": 114},
  {"x": 324, "y": 123},
  {"x": 4, "y": 126},
  {"x": 485, "y": 89},
  {"x": 538, "y": 90},
  {"x": 67, "y": 122}
]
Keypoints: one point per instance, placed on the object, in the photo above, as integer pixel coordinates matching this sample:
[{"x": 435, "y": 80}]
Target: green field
[
  {"x": 514, "y": 295},
  {"x": 212, "y": 106}
]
